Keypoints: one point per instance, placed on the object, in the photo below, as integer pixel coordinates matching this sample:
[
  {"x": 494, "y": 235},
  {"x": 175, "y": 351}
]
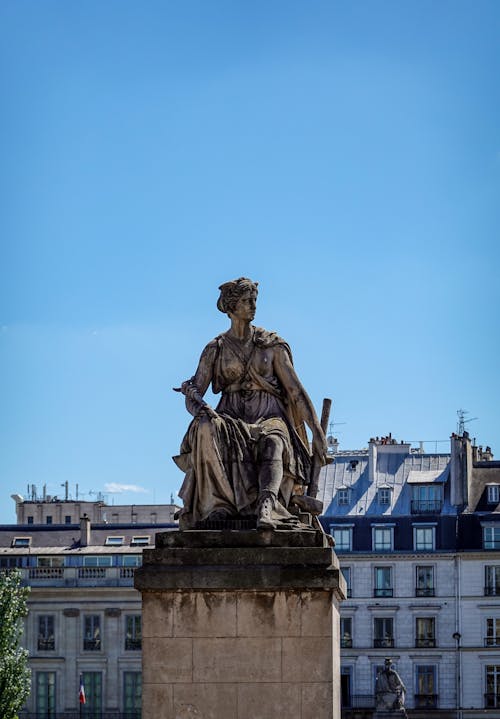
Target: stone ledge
[{"x": 203, "y": 538}]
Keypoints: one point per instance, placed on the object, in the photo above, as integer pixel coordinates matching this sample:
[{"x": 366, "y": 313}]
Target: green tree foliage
[{"x": 15, "y": 678}]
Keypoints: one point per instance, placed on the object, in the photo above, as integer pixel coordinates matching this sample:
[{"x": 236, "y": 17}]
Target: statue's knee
[{"x": 271, "y": 448}]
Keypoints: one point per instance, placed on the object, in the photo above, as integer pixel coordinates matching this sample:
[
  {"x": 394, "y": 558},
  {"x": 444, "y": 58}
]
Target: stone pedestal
[{"x": 240, "y": 625}]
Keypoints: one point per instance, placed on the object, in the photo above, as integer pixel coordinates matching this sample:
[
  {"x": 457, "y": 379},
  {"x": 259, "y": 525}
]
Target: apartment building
[{"x": 418, "y": 538}]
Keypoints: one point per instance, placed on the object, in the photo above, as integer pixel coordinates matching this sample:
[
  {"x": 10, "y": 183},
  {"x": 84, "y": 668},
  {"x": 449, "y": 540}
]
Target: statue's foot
[{"x": 265, "y": 514}]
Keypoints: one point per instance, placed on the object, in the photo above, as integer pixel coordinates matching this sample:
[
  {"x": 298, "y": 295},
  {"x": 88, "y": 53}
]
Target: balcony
[
  {"x": 426, "y": 506},
  {"x": 92, "y": 645},
  {"x": 46, "y": 644},
  {"x": 492, "y": 591},
  {"x": 491, "y": 701},
  {"x": 133, "y": 644},
  {"x": 426, "y": 701},
  {"x": 346, "y": 641},
  {"x": 78, "y": 576},
  {"x": 422, "y": 642},
  {"x": 386, "y": 592},
  {"x": 425, "y": 592},
  {"x": 386, "y": 643},
  {"x": 492, "y": 641}
]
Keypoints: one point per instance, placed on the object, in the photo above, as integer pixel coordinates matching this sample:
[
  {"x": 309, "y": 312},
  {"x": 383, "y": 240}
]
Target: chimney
[
  {"x": 372, "y": 459},
  {"x": 460, "y": 469},
  {"x": 84, "y": 531}
]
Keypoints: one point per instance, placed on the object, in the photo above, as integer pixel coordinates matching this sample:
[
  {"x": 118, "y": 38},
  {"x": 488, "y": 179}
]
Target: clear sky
[{"x": 344, "y": 154}]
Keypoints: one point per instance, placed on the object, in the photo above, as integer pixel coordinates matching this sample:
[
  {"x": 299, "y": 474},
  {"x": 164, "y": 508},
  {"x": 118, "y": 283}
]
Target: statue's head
[
  {"x": 230, "y": 293},
  {"x": 388, "y": 662}
]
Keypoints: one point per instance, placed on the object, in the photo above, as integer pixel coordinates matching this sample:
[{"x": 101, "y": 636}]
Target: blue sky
[{"x": 346, "y": 155}]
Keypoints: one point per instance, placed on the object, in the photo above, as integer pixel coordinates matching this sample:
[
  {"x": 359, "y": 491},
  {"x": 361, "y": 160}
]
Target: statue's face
[{"x": 246, "y": 306}]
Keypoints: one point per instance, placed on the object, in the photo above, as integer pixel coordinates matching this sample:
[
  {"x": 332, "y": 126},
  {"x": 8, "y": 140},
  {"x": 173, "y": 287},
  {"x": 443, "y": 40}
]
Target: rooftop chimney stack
[{"x": 85, "y": 531}]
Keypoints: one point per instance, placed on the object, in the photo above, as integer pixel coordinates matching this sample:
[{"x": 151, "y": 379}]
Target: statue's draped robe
[{"x": 219, "y": 455}]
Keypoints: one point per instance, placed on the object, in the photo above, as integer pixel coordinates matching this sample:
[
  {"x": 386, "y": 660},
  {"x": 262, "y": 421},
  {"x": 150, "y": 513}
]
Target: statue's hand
[
  {"x": 319, "y": 447},
  {"x": 209, "y": 411}
]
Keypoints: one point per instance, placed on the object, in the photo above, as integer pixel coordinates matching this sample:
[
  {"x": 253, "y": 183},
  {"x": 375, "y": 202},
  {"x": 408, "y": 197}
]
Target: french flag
[{"x": 81, "y": 694}]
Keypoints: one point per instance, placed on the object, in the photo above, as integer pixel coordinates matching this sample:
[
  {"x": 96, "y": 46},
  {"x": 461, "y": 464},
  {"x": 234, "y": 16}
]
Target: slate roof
[{"x": 393, "y": 470}]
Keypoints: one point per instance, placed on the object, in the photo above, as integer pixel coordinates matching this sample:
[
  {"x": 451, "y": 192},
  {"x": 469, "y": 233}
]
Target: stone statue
[
  {"x": 249, "y": 455},
  {"x": 390, "y": 691}
]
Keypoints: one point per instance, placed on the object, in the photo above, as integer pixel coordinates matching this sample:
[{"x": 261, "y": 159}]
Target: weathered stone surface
[
  {"x": 316, "y": 614},
  {"x": 309, "y": 657},
  {"x": 269, "y": 614},
  {"x": 237, "y": 660},
  {"x": 204, "y": 701},
  {"x": 268, "y": 701},
  {"x": 316, "y": 701},
  {"x": 170, "y": 659},
  {"x": 157, "y": 615},
  {"x": 204, "y": 614},
  {"x": 157, "y": 701}
]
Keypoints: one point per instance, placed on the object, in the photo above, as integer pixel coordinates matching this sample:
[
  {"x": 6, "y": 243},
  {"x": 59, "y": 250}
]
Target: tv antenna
[{"x": 462, "y": 421}]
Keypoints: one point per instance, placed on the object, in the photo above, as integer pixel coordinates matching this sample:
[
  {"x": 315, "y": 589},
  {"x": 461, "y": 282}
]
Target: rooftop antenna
[{"x": 462, "y": 421}]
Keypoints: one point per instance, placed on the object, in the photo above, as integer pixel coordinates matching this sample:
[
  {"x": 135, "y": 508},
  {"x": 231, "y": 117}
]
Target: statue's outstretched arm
[
  {"x": 195, "y": 388},
  {"x": 286, "y": 374}
]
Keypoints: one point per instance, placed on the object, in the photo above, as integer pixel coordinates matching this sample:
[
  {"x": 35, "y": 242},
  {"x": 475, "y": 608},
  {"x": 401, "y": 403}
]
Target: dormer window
[
  {"x": 114, "y": 541},
  {"x": 21, "y": 542},
  {"x": 384, "y": 495},
  {"x": 493, "y": 493},
  {"x": 343, "y": 496},
  {"x": 140, "y": 539}
]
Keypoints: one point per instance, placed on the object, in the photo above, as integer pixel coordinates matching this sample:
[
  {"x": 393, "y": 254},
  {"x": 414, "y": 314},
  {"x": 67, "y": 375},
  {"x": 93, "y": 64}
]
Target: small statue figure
[
  {"x": 246, "y": 457},
  {"x": 390, "y": 690}
]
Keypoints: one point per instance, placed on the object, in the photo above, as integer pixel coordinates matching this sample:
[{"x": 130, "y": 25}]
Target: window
[
  {"x": 132, "y": 694},
  {"x": 345, "y": 632},
  {"x": 382, "y": 539},
  {"x": 133, "y": 632},
  {"x": 114, "y": 541},
  {"x": 21, "y": 542},
  {"x": 46, "y": 636},
  {"x": 424, "y": 586},
  {"x": 425, "y": 686},
  {"x": 345, "y": 686},
  {"x": 45, "y": 695},
  {"x": 493, "y": 494},
  {"x": 67, "y": 519},
  {"x": 342, "y": 537},
  {"x": 343, "y": 496},
  {"x": 101, "y": 561},
  {"x": 143, "y": 539},
  {"x": 492, "y": 638},
  {"x": 425, "y": 632},
  {"x": 492, "y": 696},
  {"x": 92, "y": 682},
  {"x": 424, "y": 538},
  {"x": 383, "y": 582},
  {"x": 48, "y": 519},
  {"x": 383, "y": 632},
  {"x": 30, "y": 520},
  {"x": 10, "y": 562},
  {"x": 384, "y": 495},
  {"x": 491, "y": 537},
  {"x": 426, "y": 499},
  {"x": 132, "y": 560},
  {"x": 50, "y": 561},
  {"x": 492, "y": 580},
  {"x": 346, "y": 571},
  {"x": 92, "y": 633}
]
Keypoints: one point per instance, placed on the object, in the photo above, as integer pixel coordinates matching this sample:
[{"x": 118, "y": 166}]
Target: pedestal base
[{"x": 240, "y": 625}]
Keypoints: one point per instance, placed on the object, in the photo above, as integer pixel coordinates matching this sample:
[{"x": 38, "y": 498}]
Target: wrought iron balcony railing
[
  {"x": 386, "y": 643},
  {"x": 425, "y": 591},
  {"x": 386, "y": 592},
  {"x": 492, "y": 641},
  {"x": 491, "y": 591},
  {"x": 425, "y": 642},
  {"x": 491, "y": 700},
  {"x": 426, "y": 701},
  {"x": 346, "y": 642},
  {"x": 426, "y": 506}
]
